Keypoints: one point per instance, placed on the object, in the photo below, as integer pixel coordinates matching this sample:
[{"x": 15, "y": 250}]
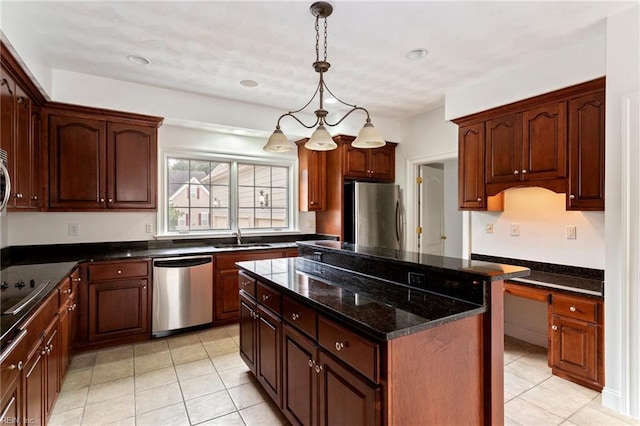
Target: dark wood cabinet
[
  {"x": 312, "y": 166},
  {"x": 299, "y": 379},
  {"x": 67, "y": 323},
  {"x": 269, "y": 332},
  {"x": 471, "y": 188},
  {"x": 99, "y": 160},
  {"x": 554, "y": 141},
  {"x": 375, "y": 164},
  {"x": 12, "y": 366},
  {"x": 20, "y": 139},
  {"x": 117, "y": 302},
  {"x": 34, "y": 383},
  {"x": 11, "y": 400},
  {"x": 226, "y": 307},
  {"x": 52, "y": 359},
  {"x": 575, "y": 336},
  {"x": 248, "y": 316},
  {"x": 587, "y": 152}
]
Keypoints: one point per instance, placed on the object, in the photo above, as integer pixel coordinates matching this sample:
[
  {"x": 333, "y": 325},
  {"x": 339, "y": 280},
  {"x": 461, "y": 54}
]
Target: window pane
[
  {"x": 245, "y": 196},
  {"x": 278, "y": 198},
  {"x": 246, "y": 218},
  {"x": 280, "y": 218},
  {"x": 220, "y": 219},
  {"x": 196, "y": 219},
  {"x": 262, "y": 176},
  {"x": 246, "y": 175},
  {"x": 219, "y": 174},
  {"x": 279, "y": 177}
]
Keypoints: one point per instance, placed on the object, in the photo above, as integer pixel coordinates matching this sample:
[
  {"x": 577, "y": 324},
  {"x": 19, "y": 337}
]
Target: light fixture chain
[
  {"x": 318, "y": 40},
  {"x": 325, "y": 39}
]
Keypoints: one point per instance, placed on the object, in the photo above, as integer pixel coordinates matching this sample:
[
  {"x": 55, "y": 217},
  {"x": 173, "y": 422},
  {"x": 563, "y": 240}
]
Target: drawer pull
[
  {"x": 67, "y": 291},
  {"x": 77, "y": 279},
  {"x": 311, "y": 364},
  {"x": 339, "y": 346},
  {"x": 479, "y": 199},
  {"x": 515, "y": 172},
  {"x": 524, "y": 171},
  {"x": 16, "y": 366},
  {"x": 572, "y": 197},
  {"x": 265, "y": 297},
  {"x": 318, "y": 368},
  {"x": 119, "y": 271},
  {"x": 295, "y": 316},
  {"x": 144, "y": 287},
  {"x": 554, "y": 327},
  {"x": 572, "y": 308}
]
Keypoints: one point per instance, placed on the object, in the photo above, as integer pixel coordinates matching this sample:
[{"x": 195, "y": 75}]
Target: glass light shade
[
  {"x": 320, "y": 140},
  {"x": 368, "y": 137},
  {"x": 278, "y": 142}
]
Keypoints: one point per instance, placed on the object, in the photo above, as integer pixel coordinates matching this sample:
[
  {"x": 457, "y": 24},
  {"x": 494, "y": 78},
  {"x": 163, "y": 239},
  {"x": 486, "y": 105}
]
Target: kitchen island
[{"x": 346, "y": 334}]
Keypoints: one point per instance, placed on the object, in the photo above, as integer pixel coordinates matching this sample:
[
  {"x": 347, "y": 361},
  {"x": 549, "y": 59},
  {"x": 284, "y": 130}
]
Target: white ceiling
[{"x": 208, "y": 47}]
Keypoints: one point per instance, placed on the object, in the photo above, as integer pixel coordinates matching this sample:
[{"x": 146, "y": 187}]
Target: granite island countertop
[{"x": 381, "y": 309}]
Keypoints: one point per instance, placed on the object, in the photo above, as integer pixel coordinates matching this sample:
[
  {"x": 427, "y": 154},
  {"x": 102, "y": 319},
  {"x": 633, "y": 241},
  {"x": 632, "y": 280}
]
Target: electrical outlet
[
  {"x": 416, "y": 279},
  {"x": 488, "y": 227},
  {"x": 571, "y": 232},
  {"x": 148, "y": 228},
  {"x": 515, "y": 229},
  {"x": 73, "y": 229}
]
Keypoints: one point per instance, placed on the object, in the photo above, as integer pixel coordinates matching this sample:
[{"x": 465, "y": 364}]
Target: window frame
[{"x": 292, "y": 194}]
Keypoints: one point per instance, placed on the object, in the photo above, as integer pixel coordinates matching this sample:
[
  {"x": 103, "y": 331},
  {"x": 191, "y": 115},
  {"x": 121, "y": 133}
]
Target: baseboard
[{"x": 531, "y": 336}]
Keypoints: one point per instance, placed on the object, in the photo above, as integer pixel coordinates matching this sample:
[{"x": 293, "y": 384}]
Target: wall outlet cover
[
  {"x": 515, "y": 229},
  {"x": 73, "y": 229},
  {"x": 488, "y": 227},
  {"x": 148, "y": 228},
  {"x": 571, "y": 232}
]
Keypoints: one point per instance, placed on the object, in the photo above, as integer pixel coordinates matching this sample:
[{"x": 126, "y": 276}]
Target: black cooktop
[{"x": 19, "y": 285}]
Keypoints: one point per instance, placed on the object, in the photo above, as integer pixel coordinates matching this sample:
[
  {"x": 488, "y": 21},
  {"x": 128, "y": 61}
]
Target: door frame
[{"x": 412, "y": 210}]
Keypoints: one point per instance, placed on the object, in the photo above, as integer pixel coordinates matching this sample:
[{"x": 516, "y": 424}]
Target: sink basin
[{"x": 243, "y": 245}]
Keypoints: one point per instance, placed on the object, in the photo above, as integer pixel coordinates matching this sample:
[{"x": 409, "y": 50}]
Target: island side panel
[
  {"x": 435, "y": 377},
  {"x": 493, "y": 327}
]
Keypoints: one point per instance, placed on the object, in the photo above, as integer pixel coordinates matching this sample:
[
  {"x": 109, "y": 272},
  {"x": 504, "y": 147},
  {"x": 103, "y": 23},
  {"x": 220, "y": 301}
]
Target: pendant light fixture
[{"x": 321, "y": 140}]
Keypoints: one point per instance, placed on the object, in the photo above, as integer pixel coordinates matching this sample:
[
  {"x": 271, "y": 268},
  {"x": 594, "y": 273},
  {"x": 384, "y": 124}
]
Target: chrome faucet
[{"x": 238, "y": 236}]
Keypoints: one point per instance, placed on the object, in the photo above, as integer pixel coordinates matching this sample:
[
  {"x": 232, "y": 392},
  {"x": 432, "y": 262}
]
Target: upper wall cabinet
[
  {"x": 375, "y": 164},
  {"x": 555, "y": 141},
  {"x": 101, "y": 159},
  {"x": 312, "y": 166},
  {"x": 20, "y": 132}
]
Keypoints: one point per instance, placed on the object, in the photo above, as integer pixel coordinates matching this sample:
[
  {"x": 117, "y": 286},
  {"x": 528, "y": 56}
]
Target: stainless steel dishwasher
[{"x": 182, "y": 294}]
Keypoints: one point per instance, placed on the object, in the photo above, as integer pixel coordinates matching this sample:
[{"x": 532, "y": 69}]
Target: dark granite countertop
[
  {"x": 53, "y": 272},
  {"x": 481, "y": 269},
  {"x": 566, "y": 279},
  {"x": 380, "y": 309}
]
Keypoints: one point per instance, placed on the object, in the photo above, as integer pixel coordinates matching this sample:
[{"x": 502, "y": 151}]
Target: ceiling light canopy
[
  {"x": 321, "y": 140},
  {"x": 416, "y": 54},
  {"x": 138, "y": 60}
]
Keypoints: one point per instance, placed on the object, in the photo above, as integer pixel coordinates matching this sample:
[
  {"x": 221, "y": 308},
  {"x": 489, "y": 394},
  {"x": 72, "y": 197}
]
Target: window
[{"x": 207, "y": 195}]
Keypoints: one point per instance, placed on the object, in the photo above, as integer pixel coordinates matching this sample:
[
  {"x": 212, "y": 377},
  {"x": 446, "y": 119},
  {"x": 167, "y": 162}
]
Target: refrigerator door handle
[{"x": 398, "y": 221}]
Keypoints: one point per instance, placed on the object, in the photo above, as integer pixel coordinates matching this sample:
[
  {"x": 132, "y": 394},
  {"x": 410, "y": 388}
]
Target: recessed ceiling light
[
  {"x": 138, "y": 60},
  {"x": 331, "y": 100},
  {"x": 416, "y": 54},
  {"x": 249, "y": 83}
]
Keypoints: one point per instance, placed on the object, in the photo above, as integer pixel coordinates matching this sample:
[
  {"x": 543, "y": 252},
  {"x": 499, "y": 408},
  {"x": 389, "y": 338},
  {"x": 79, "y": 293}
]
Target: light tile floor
[{"x": 199, "y": 378}]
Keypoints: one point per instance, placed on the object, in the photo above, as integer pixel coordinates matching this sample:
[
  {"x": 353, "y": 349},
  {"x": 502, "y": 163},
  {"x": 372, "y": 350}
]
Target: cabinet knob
[
  {"x": 554, "y": 327},
  {"x": 67, "y": 291},
  {"x": 339, "y": 346},
  {"x": 515, "y": 172},
  {"x": 44, "y": 351},
  {"x": 312, "y": 202},
  {"x": 102, "y": 200},
  {"x": 311, "y": 364},
  {"x": 20, "y": 100},
  {"x": 77, "y": 279},
  {"x": 572, "y": 308},
  {"x": 16, "y": 366},
  {"x": 295, "y": 316},
  {"x": 479, "y": 199},
  {"x": 265, "y": 297},
  {"x": 318, "y": 368},
  {"x": 524, "y": 171},
  {"x": 572, "y": 197},
  {"x": 34, "y": 198},
  {"x": 110, "y": 200},
  {"x": 144, "y": 287},
  {"x": 119, "y": 271}
]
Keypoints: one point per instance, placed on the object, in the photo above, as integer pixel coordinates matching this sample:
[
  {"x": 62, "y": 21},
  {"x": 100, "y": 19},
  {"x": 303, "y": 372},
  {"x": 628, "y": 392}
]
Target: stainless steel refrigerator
[{"x": 373, "y": 214}]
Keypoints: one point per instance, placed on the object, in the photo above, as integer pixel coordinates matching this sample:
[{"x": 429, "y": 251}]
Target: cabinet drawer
[
  {"x": 64, "y": 292},
  {"x": 302, "y": 317},
  {"x": 269, "y": 297},
  {"x": 110, "y": 271},
  {"x": 574, "y": 307},
  {"x": 12, "y": 359},
  {"x": 354, "y": 350},
  {"x": 246, "y": 284}
]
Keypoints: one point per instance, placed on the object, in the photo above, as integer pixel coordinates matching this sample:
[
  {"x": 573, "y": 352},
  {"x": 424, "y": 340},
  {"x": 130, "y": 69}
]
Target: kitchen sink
[{"x": 241, "y": 245}]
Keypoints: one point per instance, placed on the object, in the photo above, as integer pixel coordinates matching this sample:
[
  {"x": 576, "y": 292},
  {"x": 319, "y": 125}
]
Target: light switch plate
[
  {"x": 488, "y": 227},
  {"x": 571, "y": 232},
  {"x": 515, "y": 229}
]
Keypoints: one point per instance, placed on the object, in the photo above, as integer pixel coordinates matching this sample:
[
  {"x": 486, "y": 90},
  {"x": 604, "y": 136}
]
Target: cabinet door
[
  {"x": 345, "y": 399},
  {"x": 226, "y": 303},
  {"x": 10, "y": 405},
  {"x": 52, "y": 359},
  {"x": 132, "y": 165},
  {"x": 356, "y": 162},
  {"x": 7, "y": 114},
  {"x": 299, "y": 379},
  {"x": 504, "y": 149},
  {"x": 573, "y": 346},
  {"x": 471, "y": 189},
  {"x": 269, "y": 331},
  {"x": 248, "y": 331},
  {"x": 118, "y": 309},
  {"x": 586, "y": 157},
  {"x": 382, "y": 163},
  {"x": 34, "y": 381},
  {"x": 23, "y": 154},
  {"x": 545, "y": 142},
  {"x": 312, "y": 179},
  {"x": 66, "y": 327},
  {"x": 36, "y": 164},
  {"x": 77, "y": 163}
]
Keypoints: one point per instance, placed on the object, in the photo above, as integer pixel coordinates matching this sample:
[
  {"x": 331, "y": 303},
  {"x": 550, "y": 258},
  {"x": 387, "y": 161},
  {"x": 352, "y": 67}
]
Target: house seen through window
[{"x": 209, "y": 195}]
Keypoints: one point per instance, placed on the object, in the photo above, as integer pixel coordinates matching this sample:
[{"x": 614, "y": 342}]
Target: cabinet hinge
[
  {"x": 419, "y": 180},
  {"x": 419, "y": 230}
]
